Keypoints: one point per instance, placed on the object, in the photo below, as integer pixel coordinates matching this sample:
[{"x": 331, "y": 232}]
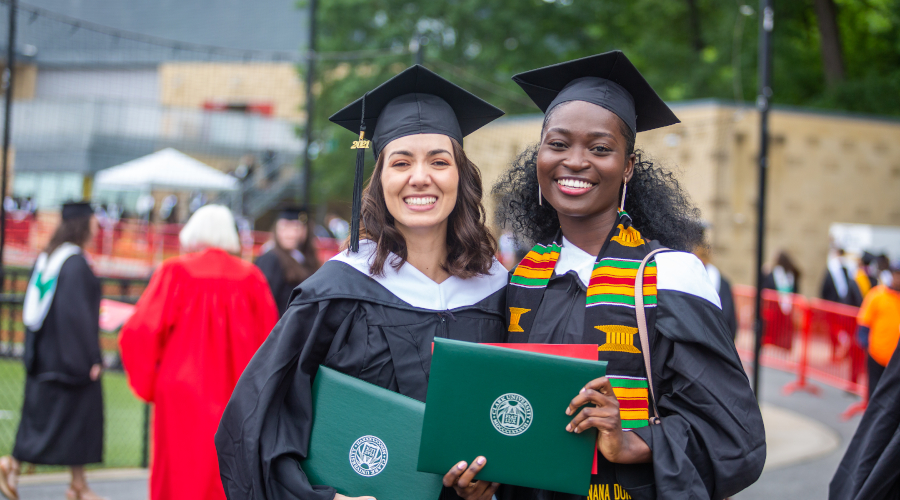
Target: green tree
[{"x": 687, "y": 49}]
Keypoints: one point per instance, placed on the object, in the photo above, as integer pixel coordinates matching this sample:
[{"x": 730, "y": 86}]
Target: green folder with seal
[
  {"x": 365, "y": 440},
  {"x": 508, "y": 406}
]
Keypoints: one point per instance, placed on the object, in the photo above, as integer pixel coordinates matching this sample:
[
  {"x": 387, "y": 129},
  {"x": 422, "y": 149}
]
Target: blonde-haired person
[
  {"x": 196, "y": 326},
  {"x": 211, "y": 226}
]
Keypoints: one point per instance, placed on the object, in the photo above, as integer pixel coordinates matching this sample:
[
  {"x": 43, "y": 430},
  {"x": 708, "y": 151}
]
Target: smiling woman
[
  {"x": 599, "y": 214},
  {"x": 422, "y": 183},
  {"x": 423, "y": 267},
  {"x": 658, "y": 205}
]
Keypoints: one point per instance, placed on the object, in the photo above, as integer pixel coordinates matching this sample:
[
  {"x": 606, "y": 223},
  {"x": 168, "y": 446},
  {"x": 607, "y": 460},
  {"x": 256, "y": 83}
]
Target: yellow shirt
[{"x": 880, "y": 312}]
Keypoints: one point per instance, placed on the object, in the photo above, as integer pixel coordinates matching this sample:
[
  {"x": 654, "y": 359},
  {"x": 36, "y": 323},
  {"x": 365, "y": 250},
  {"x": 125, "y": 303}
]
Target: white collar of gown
[
  {"x": 413, "y": 287},
  {"x": 678, "y": 271}
]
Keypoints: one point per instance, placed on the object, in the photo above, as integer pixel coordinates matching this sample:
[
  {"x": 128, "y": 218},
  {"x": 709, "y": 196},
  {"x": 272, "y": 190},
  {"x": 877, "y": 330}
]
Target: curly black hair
[{"x": 658, "y": 205}]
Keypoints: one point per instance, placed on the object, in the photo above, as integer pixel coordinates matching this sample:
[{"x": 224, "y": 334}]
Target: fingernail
[
  {"x": 582, "y": 390},
  {"x": 461, "y": 465},
  {"x": 480, "y": 460},
  {"x": 569, "y": 427},
  {"x": 568, "y": 411}
]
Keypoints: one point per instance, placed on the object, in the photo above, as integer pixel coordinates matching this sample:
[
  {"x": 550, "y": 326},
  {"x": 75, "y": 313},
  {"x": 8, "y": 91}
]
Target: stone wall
[{"x": 824, "y": 168}]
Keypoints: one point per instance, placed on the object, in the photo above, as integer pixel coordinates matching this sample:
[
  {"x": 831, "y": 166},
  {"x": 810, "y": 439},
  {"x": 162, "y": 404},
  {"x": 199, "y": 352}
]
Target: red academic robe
[{"x": 195, "y": 328}]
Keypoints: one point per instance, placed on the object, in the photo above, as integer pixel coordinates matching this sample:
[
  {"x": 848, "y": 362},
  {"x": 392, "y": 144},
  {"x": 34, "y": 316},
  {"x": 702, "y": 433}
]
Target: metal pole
[
  {"x": 766, "y": 23},
  {"x": 7, "y": 118},
  {"x": 310, "y": 102},
  {"x": 421, "y": 40},
  {"x": 145, "y": 438}
]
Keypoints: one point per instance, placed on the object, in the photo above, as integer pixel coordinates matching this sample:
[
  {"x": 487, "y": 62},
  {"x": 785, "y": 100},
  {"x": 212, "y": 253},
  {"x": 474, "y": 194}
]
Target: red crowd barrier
[
  {"x": 130, "y": 248},
  {"x": 816, "y": 339}
]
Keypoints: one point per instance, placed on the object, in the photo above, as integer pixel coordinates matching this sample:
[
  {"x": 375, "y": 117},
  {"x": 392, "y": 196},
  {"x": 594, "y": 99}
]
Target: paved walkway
[
  {"x": 804, "y": 477},
  {"x": 805, "y": 436},
  {"x": 115, "y": 484}
]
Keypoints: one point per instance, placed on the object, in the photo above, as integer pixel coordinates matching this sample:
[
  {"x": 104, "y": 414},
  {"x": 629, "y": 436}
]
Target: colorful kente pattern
[
  {"x": 619, "y": 338},
  {"x": 612, "y": 283},
  {"x": 536, "y": 268},
  {"x": 633, "y": 396}
]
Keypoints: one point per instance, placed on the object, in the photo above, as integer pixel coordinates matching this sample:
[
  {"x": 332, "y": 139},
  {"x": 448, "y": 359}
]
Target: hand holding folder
[{"x": 508, "y": 406}]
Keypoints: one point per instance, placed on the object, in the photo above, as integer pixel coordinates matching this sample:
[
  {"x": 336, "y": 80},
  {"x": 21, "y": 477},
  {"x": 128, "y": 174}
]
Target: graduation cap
[
  {"x": 608, "y": 80},
  {"x": 416, "y": 101},
  {"x": 299, "y": 213},
  {"x": 75, "y": 209}
]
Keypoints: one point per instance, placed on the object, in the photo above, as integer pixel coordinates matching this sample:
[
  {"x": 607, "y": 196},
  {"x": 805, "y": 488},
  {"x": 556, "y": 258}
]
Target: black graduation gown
[
  {"x": 711, "y": 443},
  {"x": 869, "y": 468},
  {"x": 343, "y": 319},
  {"x": 769, "y": 284},
  {"x": 728, "y": 311},
  {"x": 829, "y": 290},
  {"x": 62, "y": 413},
  {"x": 271, "y": 268}
]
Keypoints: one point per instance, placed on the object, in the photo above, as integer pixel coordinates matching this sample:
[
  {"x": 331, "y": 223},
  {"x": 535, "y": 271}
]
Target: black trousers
[{"x": 875, "y": 372}]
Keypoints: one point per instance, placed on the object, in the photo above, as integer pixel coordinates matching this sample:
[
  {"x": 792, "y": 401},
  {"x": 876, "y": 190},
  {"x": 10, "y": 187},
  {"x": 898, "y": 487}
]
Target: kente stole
[{"x": 609, "y": 317}]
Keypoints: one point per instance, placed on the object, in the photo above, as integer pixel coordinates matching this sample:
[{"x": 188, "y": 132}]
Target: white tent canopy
[{"x": 166, "y": 169}]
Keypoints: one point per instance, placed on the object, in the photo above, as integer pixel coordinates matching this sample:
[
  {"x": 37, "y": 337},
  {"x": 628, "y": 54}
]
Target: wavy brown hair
[
  {"x": 470, "y": 246},
  {"x": 295, "y": 272}
]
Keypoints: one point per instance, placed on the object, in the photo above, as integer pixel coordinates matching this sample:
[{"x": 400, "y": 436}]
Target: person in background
[
  {"x": 194, "y": 329},
  {"x": 866, "y": 273},
  {"x": 722, "y": 286},
  {"x": 62, "y": 412},
  {"x": 879, "y": 326},
  {"x": 784, "y": 277},
  {"x": 777, "y": 315},
  {"x": 885, "y": 277},
  {"x": 837, "y": 286},
  {"x": 292, "y": 258}
]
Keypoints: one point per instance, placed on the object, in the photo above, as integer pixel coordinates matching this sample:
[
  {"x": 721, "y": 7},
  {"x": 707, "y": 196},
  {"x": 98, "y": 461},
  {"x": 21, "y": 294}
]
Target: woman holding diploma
[
  {"x": 595, "y": 208},
  {"x": 420, "y": 265}
]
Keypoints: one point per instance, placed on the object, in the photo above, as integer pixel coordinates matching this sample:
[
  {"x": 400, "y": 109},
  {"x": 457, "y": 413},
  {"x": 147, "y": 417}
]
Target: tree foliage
[{"x": 687, "y": 49}]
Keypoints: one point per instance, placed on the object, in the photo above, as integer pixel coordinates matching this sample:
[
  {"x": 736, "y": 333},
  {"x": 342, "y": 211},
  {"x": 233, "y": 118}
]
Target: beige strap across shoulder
[{"x": 642, "y": 328}]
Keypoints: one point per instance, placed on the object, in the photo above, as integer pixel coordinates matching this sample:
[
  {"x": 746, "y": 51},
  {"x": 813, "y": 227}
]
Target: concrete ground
[
  {"x": 805, "y": 436},
  {"x": 804, "y": 477},
  {"x": 114, "y": 484}
]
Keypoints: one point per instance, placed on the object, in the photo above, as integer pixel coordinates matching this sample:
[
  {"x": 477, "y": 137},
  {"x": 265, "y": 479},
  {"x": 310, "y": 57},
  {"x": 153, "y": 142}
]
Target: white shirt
[
  {"x": 678, "y": 271},
  {"x": 418, "y": 290}
]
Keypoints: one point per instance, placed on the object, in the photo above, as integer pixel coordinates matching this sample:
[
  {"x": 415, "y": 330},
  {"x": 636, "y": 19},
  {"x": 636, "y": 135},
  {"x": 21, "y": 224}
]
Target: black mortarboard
[
  {"x": 867, "y": 257},
  {"x": 416, "y": 101},
  {"x": 293, "y": 213},
  {"x": 75, "y": 209},
  {"x": 608, "y": 80}
]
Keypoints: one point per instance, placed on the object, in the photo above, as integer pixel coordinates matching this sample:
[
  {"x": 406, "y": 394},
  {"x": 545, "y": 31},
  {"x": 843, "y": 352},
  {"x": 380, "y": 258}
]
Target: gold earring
[
  {"x": 624, "y": 188},
  {"x": 540, "y": 197}
]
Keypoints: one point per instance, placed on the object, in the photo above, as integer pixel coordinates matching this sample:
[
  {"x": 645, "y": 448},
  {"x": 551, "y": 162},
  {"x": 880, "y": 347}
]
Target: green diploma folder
[
  {"x": 365, "y": 439},
  {"x": 508, "y": 406}
]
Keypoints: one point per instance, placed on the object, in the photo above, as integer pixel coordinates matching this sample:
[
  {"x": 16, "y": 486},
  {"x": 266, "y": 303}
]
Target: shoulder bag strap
[{"x": 642, "y": 328}]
